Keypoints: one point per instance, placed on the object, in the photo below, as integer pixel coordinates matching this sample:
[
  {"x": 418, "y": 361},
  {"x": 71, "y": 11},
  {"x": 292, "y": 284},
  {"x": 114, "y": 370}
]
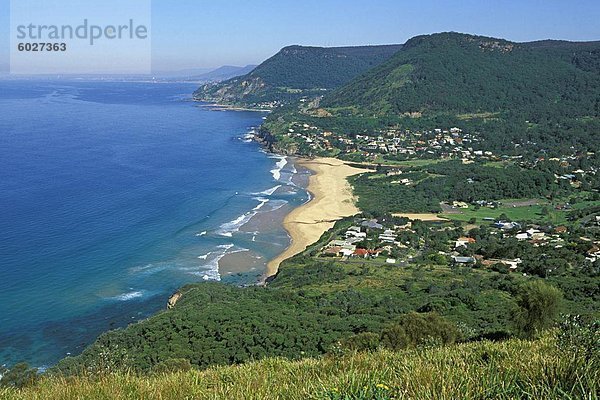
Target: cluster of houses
[
  {"x": 534, "y": 234},
  {"x": 349, "y": 245},
  {"x": 442, "y": 143},
  {"x": 512, "y": 264},
  {"x": 575, "y": 176},
  {"x": 383, "y": 239}
]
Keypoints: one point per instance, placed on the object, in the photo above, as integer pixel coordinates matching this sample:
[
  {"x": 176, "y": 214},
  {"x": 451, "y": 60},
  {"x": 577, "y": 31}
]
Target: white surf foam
[
  {"x": 129, "y": 295},
  {"x": 268, "y": 192},
  {"x": 210, "y": 270},
  {"x": 229, "y": 228},
  {"x": 150, "y": 269},
  {"x": 263, "y": 201},
  {"x": 278, "y": 167}
]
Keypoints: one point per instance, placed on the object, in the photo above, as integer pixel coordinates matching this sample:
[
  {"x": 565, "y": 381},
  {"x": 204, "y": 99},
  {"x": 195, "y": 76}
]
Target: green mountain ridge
[
  {"x": 453, "y": 72},
  {"x": 536, "y": 98},
  {"x": 296, "y": 70}
]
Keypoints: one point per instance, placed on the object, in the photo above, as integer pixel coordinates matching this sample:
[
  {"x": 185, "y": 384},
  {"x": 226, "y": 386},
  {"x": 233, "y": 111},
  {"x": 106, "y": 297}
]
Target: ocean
[{"x": 113, "y": 195}]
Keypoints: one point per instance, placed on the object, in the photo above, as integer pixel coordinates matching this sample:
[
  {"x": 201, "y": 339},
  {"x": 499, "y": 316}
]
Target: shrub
[
  {"x": 19, "y": 376},
  {"x": 172, "y": 365},
  {"x": 539, "y": 306},
  {"x": 416, "y": 329},
  {"x": 367, "y": 341}
]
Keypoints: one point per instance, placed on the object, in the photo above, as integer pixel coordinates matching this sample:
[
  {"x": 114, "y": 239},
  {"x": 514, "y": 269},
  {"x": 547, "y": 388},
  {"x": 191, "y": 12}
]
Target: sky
[{"x": 189, "y": 34}]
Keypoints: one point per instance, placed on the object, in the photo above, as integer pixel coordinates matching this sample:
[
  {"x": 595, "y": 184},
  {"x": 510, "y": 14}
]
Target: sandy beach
[{"x": 332, "y": 199}]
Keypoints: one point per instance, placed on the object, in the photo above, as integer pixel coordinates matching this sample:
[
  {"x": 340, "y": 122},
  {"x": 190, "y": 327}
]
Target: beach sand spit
[{"x": 332, "y": 200}]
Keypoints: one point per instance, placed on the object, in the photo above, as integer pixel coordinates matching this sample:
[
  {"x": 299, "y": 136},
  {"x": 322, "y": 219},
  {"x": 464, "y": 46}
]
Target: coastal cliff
[
  {"x": 173, "y": 300},
  {"x": 294, "y": 72}
]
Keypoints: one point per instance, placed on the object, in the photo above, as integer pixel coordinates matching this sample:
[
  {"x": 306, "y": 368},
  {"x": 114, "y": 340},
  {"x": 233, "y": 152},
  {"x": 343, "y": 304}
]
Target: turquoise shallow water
[{"x": 112, "y": 195}]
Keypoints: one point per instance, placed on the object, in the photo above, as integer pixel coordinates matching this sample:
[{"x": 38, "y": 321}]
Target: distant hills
[
  {"x": 296, "y": 71},
  {"x": 205, "y": 74},
  {"x": 223, "y": 73}
]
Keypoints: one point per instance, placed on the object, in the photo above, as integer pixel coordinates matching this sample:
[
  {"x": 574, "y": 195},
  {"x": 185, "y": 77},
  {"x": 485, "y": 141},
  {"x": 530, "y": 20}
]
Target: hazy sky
[{"x": 199, "y": 33}]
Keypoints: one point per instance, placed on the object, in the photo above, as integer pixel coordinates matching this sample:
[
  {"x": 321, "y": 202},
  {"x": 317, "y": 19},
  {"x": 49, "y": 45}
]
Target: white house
[{"x": 522, "y": 236}]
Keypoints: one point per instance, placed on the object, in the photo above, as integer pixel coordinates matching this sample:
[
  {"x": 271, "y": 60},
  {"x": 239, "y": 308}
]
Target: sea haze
[{"x": 113, "y": 195}]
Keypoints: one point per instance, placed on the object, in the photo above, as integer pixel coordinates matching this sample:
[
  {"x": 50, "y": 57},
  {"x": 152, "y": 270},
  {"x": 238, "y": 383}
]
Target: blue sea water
[{"x": 112, "y": 195}]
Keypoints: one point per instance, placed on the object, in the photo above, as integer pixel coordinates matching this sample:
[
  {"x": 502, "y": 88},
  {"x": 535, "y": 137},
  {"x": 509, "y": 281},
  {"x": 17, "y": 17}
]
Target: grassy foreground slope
[{"x": 481, "y": 370}]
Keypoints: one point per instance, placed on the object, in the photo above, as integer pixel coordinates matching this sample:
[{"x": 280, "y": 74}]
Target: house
[
  {"x": 506, "y": 225},
  {"x": 460, "y": 204},
  {"x": 364, "y": 253},
  {"x": 593, "y": 254},
  {"x": 354, "y": 240},
  {"x": 361, "y": 235},
  {"x": 387, "y": 238},
  {"x": 463, "y": 260},
  {"x": 522, "y": 236},
  {"x": 346, "y": 252},
  {"x": 372, "y": 224},
  {"x": 463, "y": 242},
  {"x": 535, "y": 234},
  {"x": 337, "y": 243},
  {"x": 511, "y": 264},
  {"x": 334, "y": 251},
  {"x": 561, "y": 229},
  {"x": 568, "y": 177}
]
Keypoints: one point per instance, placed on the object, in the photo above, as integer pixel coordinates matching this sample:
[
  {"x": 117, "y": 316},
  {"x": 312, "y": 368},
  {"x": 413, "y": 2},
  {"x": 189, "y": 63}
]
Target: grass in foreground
[{"x": 482, "y": 370}]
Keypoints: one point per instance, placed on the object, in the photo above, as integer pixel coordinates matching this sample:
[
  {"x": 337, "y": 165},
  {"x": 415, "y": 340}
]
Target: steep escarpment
[{"x": 296, "y": 71}]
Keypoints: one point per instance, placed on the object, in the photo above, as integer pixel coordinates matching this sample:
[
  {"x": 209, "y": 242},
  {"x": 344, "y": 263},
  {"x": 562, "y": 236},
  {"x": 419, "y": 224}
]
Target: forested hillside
[
  {"x": 296, "y": 70},
  {"x": 540, "y": 95},
  {"x": 460, "y": 73}
]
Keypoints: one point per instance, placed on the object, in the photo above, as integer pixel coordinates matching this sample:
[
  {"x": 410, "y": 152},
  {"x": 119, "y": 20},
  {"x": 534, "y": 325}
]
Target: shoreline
[
  {"x": 331, "y": 200},
  {"x": 228, "y": 107},
  {"x": 266, "y": 224}
]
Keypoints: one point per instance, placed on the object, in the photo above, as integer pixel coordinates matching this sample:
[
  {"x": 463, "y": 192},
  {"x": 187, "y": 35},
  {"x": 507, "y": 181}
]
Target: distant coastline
[{"x": 230, "y": 107}]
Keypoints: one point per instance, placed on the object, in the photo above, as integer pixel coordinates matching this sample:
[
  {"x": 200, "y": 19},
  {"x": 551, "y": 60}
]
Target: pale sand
[
  {"x": 332, "y": 200},
  {"x": 422, "y": 217}
]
